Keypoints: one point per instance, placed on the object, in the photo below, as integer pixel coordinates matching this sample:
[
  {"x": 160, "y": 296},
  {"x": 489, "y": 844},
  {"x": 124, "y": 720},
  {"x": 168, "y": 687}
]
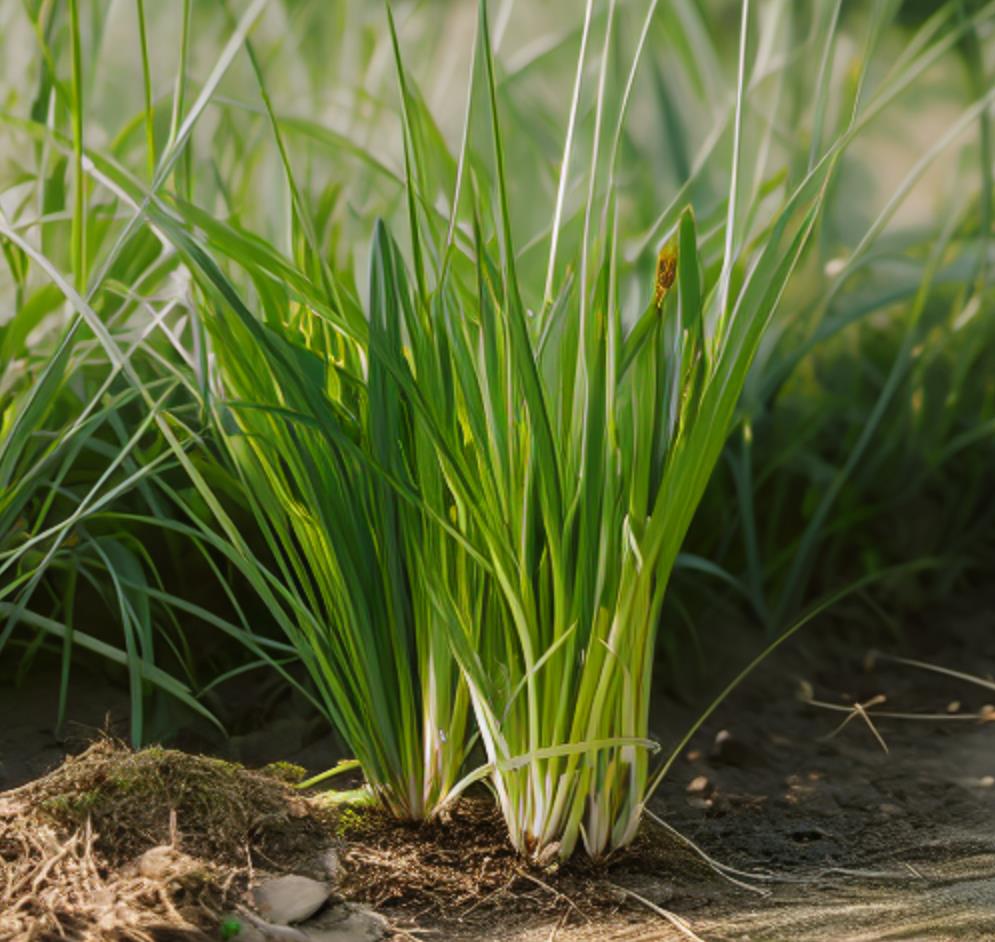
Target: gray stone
[
  {"x": 270, "y": 931},
  {"x": 347, "y": 922},
  {"x": 290, "y": 898}
]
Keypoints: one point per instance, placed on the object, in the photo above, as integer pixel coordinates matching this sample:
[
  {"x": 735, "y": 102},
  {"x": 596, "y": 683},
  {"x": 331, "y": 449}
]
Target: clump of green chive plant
[
  {"x": 577, "y": 446},
  {"x": 446, "y": 479}
]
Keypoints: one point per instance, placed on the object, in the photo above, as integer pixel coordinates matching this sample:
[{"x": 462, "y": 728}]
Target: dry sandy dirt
[{"x": 883, "y": 829}]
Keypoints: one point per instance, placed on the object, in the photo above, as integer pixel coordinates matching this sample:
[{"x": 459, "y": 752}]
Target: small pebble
[
  {"x": 698, "y": 785},
  {"x": 290, "y": 898},
  {"x": 348, "y": 922},
  {"x": 163, "y": 862}
]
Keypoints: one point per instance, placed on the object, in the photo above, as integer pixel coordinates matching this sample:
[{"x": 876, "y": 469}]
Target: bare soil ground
[{"x": 831, "y": 838}]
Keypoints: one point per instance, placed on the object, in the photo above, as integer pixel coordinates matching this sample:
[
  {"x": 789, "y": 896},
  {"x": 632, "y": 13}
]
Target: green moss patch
[{"x": 207, "y": 807}]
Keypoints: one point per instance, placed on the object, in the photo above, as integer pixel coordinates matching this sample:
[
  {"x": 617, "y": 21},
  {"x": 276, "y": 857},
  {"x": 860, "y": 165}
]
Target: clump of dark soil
[
  {"x": 461, "y": 875},
  {"x": 448, "y": 863}
]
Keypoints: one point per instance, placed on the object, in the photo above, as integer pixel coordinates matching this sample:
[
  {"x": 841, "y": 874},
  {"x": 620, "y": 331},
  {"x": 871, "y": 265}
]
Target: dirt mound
[{"x": 121, "y": 844}]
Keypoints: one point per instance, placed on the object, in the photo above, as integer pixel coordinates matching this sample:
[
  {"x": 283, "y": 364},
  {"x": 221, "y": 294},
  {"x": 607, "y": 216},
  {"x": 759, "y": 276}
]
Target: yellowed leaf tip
[{"x": 666, "y": 271}]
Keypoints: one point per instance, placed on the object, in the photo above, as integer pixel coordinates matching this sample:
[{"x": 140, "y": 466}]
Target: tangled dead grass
[{"x": 56, "y": 887}]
